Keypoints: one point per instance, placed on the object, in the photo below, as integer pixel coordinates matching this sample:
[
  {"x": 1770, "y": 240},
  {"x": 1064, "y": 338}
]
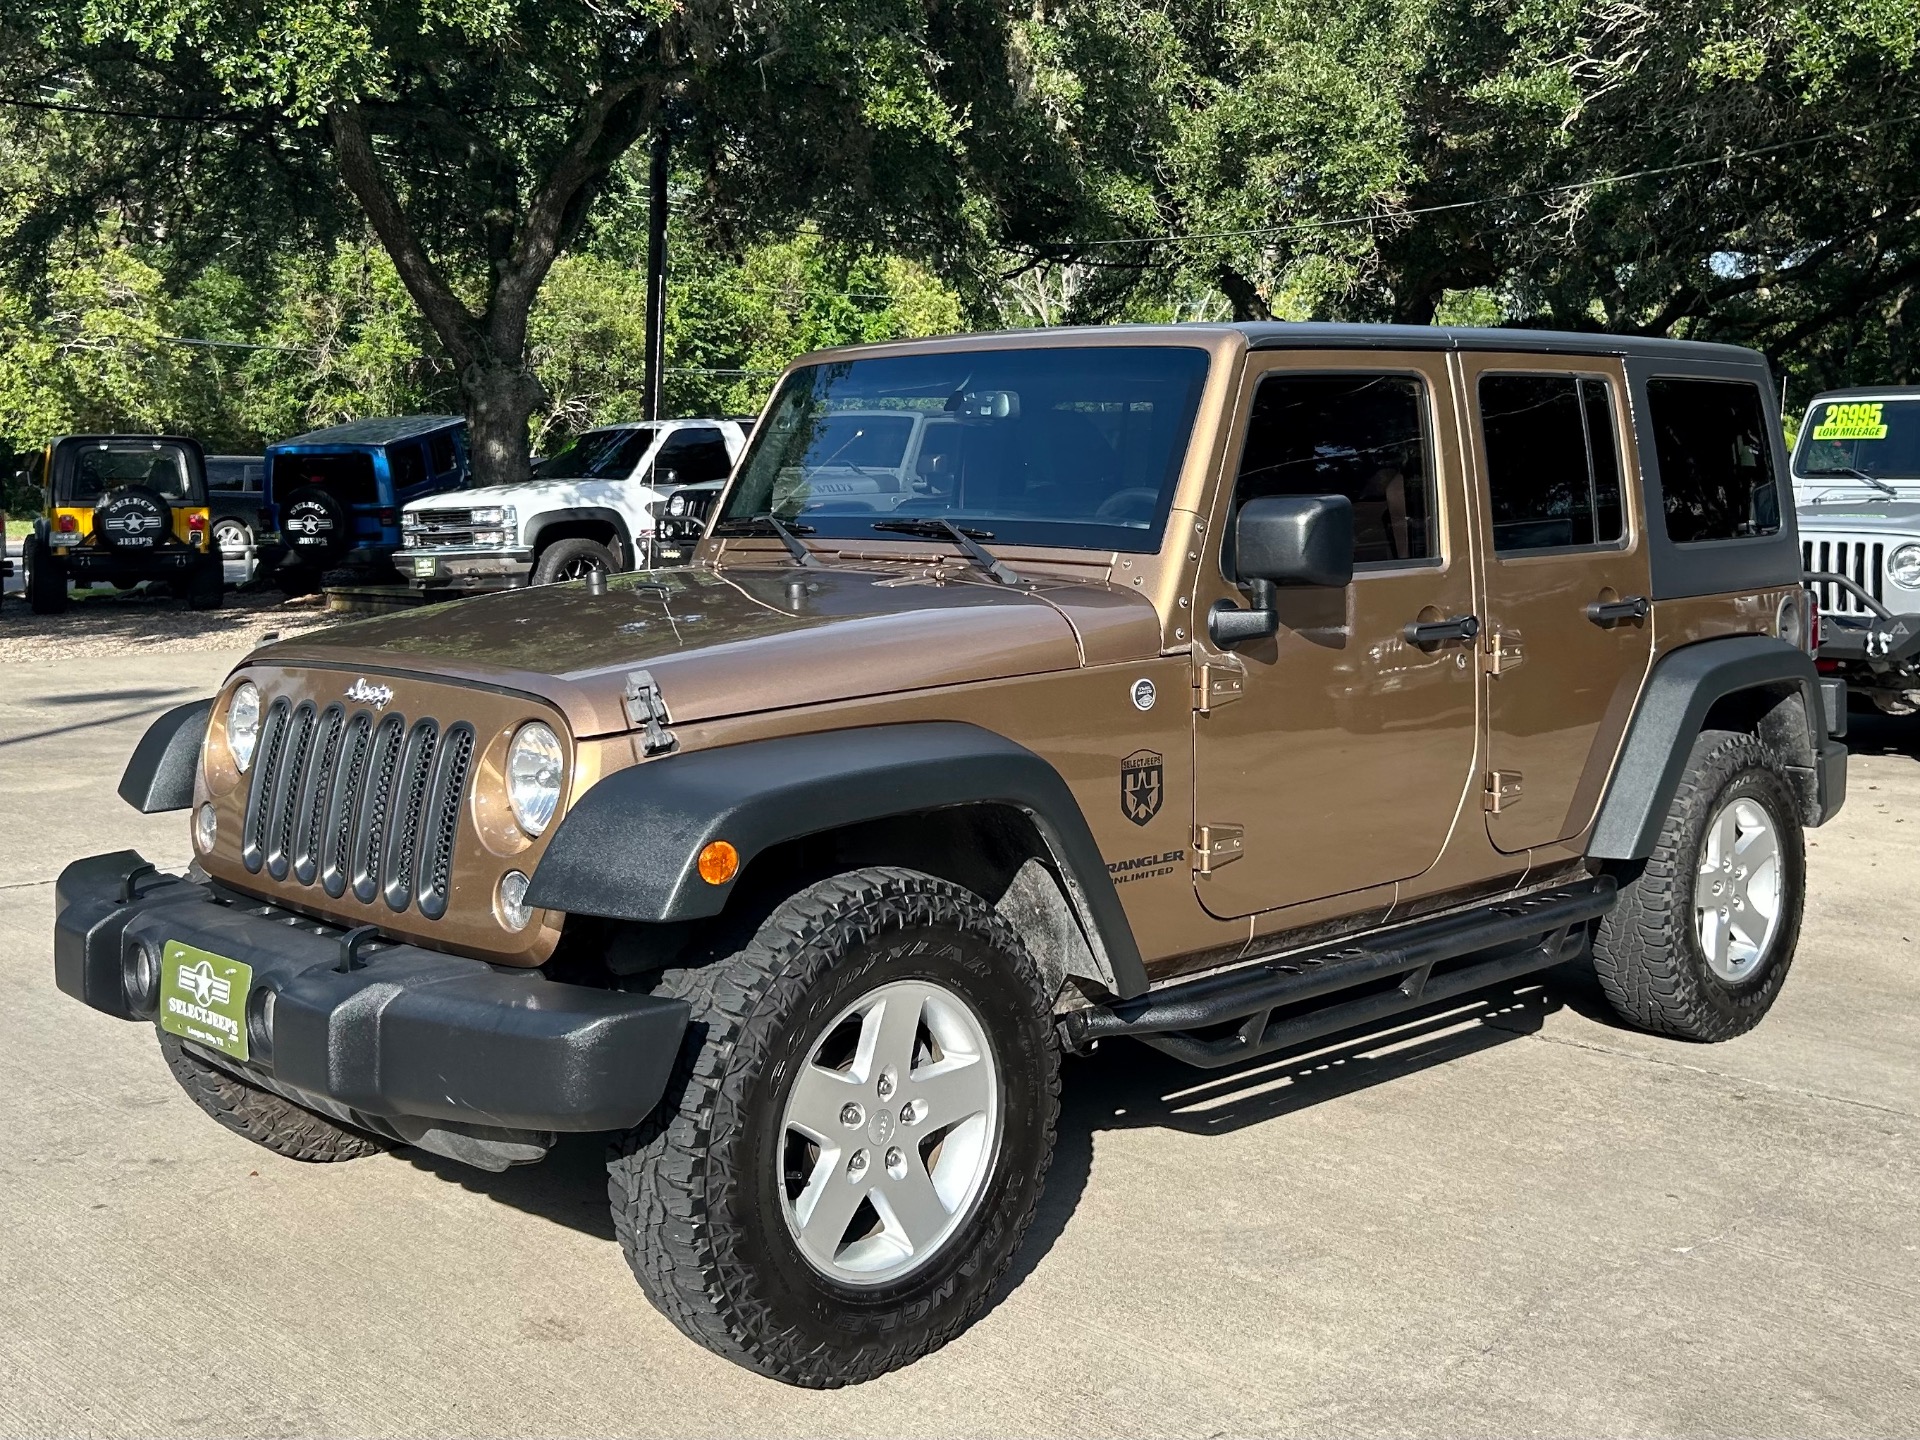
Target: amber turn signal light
[{"x": 719, "y": 862}]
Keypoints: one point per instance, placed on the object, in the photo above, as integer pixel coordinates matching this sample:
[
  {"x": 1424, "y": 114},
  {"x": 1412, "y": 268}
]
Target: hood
[
  {"x": 465, "y": 499},
  {"x": 740, "y": 640},
  {"x": 1855, "y": 514}
]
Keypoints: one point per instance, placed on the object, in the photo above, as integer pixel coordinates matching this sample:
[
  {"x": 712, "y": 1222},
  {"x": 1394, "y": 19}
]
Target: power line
[
  {"x": 69, "y": 108},
  {"x": 1347, "y": 221}
]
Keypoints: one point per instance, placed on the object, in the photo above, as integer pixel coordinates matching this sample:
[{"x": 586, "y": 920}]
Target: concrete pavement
[{"x": 1509, "y": 1217}]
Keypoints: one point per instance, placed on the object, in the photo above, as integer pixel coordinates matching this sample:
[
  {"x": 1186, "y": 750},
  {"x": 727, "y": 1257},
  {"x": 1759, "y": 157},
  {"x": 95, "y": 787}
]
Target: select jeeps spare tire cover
[
  {"x": 314, "y": 525},
  {"x": 132, "y": 517}
]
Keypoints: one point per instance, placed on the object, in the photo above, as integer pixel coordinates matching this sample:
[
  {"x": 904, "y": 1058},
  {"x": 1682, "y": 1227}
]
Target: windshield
[
  {"x": 1070, "y": 446},
  {"x": 598, "y": 455},
  {"x": 1880, "y": 438},
  {"x": 100, "y": 466}
]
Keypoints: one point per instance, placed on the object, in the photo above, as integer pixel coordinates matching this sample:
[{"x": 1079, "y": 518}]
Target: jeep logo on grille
[{"x": 361, "y": 693}]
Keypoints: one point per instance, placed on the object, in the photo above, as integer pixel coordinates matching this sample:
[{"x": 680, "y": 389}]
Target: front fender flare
[
  {"x": 628, "y": 849},
  {"x": 159, "y": 776}
]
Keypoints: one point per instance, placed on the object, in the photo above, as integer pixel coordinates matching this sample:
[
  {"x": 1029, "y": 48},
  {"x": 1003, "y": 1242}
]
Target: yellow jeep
[{"x": 121, "y": 509}]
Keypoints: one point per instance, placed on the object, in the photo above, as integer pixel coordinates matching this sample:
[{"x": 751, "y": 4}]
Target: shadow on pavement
[
  {"x": 1871, "y": 733},
  {"x": 1126, "y": 1085}
]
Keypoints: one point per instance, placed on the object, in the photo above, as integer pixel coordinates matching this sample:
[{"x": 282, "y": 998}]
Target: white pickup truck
[{"x": 590, "y": 508}]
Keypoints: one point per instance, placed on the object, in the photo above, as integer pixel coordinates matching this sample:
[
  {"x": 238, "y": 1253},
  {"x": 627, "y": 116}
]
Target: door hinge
[
  {"x": 647, "y": 711},
  {"x": 1504, "y": 651},
  {"x": 1217, "y": 845},
  {"x": 1503, "y": 791},
  {"x": 1220, "y": 685}
]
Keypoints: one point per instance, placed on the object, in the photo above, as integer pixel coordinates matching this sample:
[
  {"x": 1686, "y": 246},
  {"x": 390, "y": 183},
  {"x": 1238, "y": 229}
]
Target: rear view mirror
[{"x": 1284, "y": 540}]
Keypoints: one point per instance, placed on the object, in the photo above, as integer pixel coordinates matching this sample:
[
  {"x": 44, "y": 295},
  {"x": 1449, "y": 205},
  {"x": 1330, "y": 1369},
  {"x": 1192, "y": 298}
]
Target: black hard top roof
[
  {"x": 379, "y": 431},
  {"x": 1286, "y": 335},
  {"x": 1869, "y": 392}
]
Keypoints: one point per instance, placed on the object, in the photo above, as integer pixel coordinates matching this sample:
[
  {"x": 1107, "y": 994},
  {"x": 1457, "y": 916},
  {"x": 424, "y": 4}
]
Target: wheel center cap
[{"x": 880, "y": 1128}]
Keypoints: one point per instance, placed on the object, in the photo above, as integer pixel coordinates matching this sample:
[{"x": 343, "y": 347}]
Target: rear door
[{"x": 1568, "y": 635}]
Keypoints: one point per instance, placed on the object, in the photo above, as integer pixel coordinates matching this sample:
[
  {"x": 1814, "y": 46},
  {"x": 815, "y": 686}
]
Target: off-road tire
[
  {"x": 1646, "y": 950},
  {"x": 260, "y": 1115},
  {"x": 46, "y": 578},
  {"x": 563, "y": 555},
  {"x": 693, "y": 1190}
]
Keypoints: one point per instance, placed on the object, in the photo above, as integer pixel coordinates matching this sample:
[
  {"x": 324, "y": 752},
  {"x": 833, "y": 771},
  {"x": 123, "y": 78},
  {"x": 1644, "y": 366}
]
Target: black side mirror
[{"x": 1284, "y": 540}]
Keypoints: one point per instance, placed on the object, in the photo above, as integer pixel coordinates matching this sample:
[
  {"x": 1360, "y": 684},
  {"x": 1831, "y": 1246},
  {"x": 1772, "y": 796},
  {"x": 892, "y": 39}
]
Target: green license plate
[
  {"x": 423, "y": 568},
  {"x": 203, "y": 998}
]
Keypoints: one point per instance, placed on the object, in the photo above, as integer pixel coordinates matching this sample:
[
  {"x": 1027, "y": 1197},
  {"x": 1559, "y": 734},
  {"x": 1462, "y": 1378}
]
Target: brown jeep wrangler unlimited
[{"x": 1225, "y": 687}]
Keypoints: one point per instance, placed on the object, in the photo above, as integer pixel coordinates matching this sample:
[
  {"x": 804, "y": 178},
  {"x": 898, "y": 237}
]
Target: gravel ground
[{"x": 107, "y": 622}]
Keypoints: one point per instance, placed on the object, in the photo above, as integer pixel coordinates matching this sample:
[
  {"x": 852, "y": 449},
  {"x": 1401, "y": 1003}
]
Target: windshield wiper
[
  {"x": 761, "y": 524},
  {"x": 1874, "y": 480},
  {"x": 935, "y": 528}
]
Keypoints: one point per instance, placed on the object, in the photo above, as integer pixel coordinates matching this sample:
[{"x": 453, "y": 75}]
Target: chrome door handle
[
  {"x": 1427, "y": 634},
  {"x": 1616, "y": 612}
]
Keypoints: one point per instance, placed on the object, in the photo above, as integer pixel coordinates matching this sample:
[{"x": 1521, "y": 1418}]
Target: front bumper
[
  {"x": 408, "y": 1034},
  {"x": 1889, "y": 641},
  {"x": 464, "y": 569}
]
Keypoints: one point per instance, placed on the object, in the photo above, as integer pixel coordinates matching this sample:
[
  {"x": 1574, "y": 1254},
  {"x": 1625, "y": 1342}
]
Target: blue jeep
[{"x": 334, "y": 495}]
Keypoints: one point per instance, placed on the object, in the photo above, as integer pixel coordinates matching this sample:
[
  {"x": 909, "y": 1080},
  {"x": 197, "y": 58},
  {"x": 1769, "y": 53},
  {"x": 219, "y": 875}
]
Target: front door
[
  {"x": 1568, "y": 635},
  {"x": 1346, "y": 755}
]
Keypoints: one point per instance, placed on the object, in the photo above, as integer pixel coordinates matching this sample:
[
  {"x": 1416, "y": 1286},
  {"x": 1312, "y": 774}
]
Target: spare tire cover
[
  {"x": 132, "y": 518},
  {"x": 314, "y": 525}
]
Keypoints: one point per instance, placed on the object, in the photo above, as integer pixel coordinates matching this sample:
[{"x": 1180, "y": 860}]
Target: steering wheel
[{"x": 1124, "y": 505}]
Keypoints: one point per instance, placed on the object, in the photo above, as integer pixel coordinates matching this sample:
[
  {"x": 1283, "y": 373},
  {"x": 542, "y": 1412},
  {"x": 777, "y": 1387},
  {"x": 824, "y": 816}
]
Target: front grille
[
  {"x": 1860, "y": 560},
  {"x": 343, "y": 801},
  {"x": 700, "y": 503},
  {"x": 440, "y": 529}
]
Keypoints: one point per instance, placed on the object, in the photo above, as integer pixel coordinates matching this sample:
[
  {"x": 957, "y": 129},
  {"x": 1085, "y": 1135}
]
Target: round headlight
[
  {"x": 533, "y": 776},
  {"x": 1903, "y": 567},
  {"x": 677, "y": 505},
  {"x": 243, "y": 724}
]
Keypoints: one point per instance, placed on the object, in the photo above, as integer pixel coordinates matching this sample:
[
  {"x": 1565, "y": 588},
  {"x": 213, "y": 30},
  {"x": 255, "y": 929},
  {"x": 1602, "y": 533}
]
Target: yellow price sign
[{"x": 1857, "y": 420}]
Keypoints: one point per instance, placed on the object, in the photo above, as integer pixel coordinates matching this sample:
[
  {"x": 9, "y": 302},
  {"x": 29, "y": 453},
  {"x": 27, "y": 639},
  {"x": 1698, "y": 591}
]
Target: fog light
[
  {"x": 206, "y": 827},
  {"x": 140, "y": 978},
  {"x": 511, "y": 903},
  {"x": 719, "y": 862}
]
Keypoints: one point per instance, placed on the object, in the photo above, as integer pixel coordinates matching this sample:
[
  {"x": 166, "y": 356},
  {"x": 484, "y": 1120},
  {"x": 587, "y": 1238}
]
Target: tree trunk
[{"x": 501, "y": 398}]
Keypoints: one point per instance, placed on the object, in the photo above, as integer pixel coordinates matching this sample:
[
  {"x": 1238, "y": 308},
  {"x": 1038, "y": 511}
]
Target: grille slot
[
  {"x": 267, "y": 751},
  {"x": 410, "y": 800},
  {"x": 1861, "y": 560},
  {"x": 443, "y": 821},
  {"x": 354, "y": 802}
]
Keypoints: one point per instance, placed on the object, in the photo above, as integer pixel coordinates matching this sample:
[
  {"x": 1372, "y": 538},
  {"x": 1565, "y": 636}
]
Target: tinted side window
[
  {"x": 1553, "y": 476},
  {"x": 225, "y": 475},
  {"x": 1362, "y": 436},
  {"x": 695, "y": 456},
  {"x": 1716, "y": 467},
  {"x": 408, "y": 466},
  {"x": 441, "y": 448}
]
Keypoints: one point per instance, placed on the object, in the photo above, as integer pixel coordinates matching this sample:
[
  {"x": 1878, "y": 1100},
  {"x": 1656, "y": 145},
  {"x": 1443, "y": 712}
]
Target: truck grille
[
  {"x": 700, "y": 504},
  {"x": 1861, "y": 561},
  {"x": 442, "y": 529},
  {"x": 348, "y": 801}
]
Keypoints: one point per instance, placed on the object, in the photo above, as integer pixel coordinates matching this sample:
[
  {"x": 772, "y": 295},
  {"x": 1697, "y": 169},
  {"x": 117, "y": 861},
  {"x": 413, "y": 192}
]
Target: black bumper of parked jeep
[{"x": 405, "y": 1034}]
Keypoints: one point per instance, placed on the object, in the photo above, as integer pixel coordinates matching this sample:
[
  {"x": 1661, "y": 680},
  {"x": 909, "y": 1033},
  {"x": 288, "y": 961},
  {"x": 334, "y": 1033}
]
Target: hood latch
[{"x": 647, "y": 709}]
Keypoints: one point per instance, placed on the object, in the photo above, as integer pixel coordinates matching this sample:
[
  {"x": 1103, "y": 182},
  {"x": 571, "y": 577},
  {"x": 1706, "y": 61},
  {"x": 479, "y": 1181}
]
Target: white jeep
[
  {"x": 590, "y": 508},
  {"x": 1856, "y": 483}
]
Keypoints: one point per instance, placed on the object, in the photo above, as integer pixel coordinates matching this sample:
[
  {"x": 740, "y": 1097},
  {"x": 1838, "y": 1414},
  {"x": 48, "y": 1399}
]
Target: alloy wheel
[
  {"x": 1737, "y": 891},
  {"x": 889, "y": 1133}
]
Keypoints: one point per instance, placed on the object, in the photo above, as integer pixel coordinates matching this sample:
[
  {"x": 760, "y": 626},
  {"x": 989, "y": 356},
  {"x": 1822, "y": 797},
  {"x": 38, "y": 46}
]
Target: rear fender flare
[
  {"x": 1685, "y": 685},
  {"x": 629, "y": 847}
]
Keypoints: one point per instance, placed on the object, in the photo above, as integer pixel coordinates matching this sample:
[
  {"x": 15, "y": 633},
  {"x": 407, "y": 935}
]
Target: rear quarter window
[{"x": 1716, "y": 460}]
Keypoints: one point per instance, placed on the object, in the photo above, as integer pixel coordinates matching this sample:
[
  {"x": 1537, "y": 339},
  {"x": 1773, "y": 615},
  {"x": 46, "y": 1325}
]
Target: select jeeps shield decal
[{"x": 1142, "y": 785}]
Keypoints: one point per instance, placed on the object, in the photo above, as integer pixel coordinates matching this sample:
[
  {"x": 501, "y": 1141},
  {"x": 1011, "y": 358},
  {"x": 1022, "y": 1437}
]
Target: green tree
[{"x": 475, "y": 137}]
